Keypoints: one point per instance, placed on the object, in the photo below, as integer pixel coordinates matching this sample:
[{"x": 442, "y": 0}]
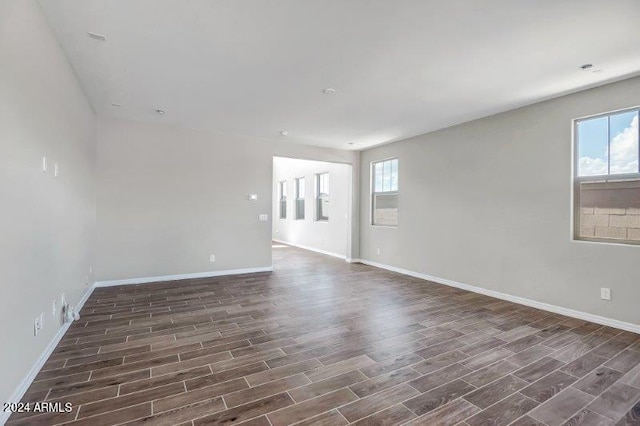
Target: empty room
[{"x": 320, "y": 212}]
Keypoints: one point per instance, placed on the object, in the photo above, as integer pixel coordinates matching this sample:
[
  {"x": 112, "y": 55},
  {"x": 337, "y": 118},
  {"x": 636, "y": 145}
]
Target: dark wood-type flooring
[{"x": 323, "y": 342}]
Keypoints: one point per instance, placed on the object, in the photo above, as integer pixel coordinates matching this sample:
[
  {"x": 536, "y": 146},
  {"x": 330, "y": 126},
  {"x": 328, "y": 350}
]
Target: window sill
[{"x": 608, "y": 242}]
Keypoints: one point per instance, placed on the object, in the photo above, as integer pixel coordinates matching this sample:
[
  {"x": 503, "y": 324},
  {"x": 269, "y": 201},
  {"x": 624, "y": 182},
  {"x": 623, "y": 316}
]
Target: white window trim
[
  {"x": 575, "y": 183},
  {"x": 316, "y": 196},
  {"x": 371, "y": 193},
  {"x": 296, "y": 198},
  {"x": 282, "y": 189}
]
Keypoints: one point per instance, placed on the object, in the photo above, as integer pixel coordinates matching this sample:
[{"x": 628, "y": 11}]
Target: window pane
[
  {"x": 325, "y": 180},
  {"x": 386, "y": 176},
  {"x": 377, "y": 187},
  {"x": 385, "y": 210},
  {"x": 323, "y": 209},
  {"x": 300, "y": 209},
  {"x": 623, "y": 131},
  {"x": 610, "y": 210},
  {"x": 394, "y": 175},
  {"x": 301, "y": 188},
  {"x": 593, "y": 147}
]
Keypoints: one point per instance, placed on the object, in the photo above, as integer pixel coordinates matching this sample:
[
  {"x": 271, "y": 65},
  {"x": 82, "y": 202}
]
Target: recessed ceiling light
[
  {"x": 284, "y": 133},
  {"x": 585, "y": 67},
  {"x": 96, "y": 36},
  {"x": 329, "y": 91},
  {"x": 159, "y": 111}
]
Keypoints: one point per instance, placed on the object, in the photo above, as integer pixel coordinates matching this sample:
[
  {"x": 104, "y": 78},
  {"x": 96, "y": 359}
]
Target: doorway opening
[{"x": 312, "y": 206}]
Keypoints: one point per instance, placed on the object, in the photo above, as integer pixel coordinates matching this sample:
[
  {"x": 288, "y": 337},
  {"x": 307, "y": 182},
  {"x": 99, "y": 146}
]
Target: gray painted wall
[
  {"x": 331, "y": 235},
  {"x": 168, "y": 198},
  {"x": 47, "y": 223},
  {"x": 488, "y": 203}
]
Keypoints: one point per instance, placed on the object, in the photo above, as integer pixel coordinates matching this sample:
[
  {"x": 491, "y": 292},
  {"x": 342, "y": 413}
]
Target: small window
[
  {"x": 300, "y": 191},
  {"x": 384, "y": 199},
  {"x": 607, "y": 178},
  {"x": 322, "y": 196},
  {"x": 283, "y": 199}
]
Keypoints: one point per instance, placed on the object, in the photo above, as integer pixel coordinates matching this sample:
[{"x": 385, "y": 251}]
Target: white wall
[
  {"x": 488, "y": 203},
  {"x": 329, "y": 236},
  {"x": 47, "y": 223},
  {"x": 169, "y": 197}
]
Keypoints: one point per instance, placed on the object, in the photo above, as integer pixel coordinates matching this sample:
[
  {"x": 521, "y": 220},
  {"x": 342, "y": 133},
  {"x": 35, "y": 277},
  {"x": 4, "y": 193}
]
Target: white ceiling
[{"x": 399, "y": 67}]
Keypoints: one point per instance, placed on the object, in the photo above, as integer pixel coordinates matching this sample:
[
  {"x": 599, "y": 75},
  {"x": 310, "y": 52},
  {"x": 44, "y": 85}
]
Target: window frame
[
  {"x": 577, "y": 180},
  {"x": 282, "y": 189},
  {"x": 298, "y": 198},
  {"x": 373, "y": 193},
  {"x": 317, "y": 197}
]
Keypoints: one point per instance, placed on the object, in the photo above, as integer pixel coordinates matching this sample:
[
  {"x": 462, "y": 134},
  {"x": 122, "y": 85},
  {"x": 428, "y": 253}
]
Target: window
[
  {"x": 384, "y": 199},
  {"x": 322, "y": 196},
  {"x": 607, "y": 178},
  {"x": 300, "y": 188},
  {"x": 283, "y": 199}
]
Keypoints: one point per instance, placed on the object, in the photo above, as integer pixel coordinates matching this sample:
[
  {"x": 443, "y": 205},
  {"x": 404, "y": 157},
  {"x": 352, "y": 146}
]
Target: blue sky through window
[{"x": 618, "y": 133}]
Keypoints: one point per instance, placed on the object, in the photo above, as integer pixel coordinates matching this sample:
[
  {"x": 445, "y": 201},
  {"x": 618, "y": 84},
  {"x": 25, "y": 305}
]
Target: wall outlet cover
[
  {"x": 37, "y": 325},
  {"x": 212, "y": 258},
  {"x": 605, "y": 293}
]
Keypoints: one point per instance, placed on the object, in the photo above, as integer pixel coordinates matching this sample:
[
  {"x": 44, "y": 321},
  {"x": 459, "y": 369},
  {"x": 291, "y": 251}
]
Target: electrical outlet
[
  {"x": 378, "y": 250},
  {"x": 44, "y": 164},
  {"x": 56, "y": 170},
  {"x": 605, "y": 293},
  {"x": 212, "y": 258},
  {"x": 54, "y": 308},
  {"x": 63, "y": 299}
]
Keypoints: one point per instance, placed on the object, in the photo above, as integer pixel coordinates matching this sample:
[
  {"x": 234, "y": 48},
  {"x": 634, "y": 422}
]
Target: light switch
[
  {"x": 263, "y": 217},
  {"x": 253, "y": 197}
]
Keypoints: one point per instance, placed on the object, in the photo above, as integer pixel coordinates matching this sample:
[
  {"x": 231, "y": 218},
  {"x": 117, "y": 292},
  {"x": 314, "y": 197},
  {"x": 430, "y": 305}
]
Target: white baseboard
[
  {"x": 35, "y": 369},
  {"x": 348, "y": 260},
  {"x": 144, "y": 280},
  {"x": 317, "y": 250},
  {"x": 635, "y": 328}
]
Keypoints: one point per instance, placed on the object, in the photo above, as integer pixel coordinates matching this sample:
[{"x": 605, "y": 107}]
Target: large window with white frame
[
  {"x": 384, "y": 197},
  {"x": 322, "y": 197},
  {"x": 282, "y": 190},
  {"x": 606, "y": 178},
  {"x": 300, "y": 191}
]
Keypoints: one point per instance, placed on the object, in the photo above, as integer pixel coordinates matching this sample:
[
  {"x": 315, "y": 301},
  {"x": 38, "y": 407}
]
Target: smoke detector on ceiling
[{"x": 329, "y": 91}]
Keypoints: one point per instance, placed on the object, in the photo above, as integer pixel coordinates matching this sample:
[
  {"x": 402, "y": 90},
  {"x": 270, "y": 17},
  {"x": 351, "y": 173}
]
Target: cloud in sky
[
  {"x": 624, "y": 154},
  {"x": 624, "y": 149}
]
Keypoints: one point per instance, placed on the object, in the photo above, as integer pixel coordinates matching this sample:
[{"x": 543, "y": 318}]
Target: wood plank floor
[{"x": 322, "y": 342}]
